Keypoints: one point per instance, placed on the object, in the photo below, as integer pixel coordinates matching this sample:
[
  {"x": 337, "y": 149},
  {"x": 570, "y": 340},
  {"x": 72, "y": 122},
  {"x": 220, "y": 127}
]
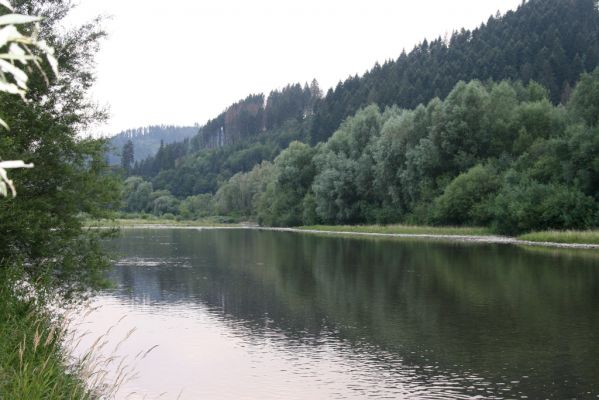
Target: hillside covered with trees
[
  {"x": 147, "y": 140},
  {"x": 489, "y": 127}
]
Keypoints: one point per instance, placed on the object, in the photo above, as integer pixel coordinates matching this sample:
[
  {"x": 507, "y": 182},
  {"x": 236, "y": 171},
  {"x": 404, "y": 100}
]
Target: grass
[
  {"x": 124, "y": 222},
  {"x": 33, "y": 364},
  {"x": 577, "y": 237},
  {"x": 36, "y": 346},
  {"x": 402, "y": 229},
  {"x": 581, "y": 237},
  {"x": 574, "y": 237}
]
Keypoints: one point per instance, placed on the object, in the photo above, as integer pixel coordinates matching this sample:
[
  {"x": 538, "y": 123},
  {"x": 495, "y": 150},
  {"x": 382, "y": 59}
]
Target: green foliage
[
  {"x": 343, "y": 186},
  {"x": 584, "y": 103},
  {"x": 147, "y": 140},
  {"x": 43, "y": 227},
  {"x": 127, "y": 156},
  {"x": 466, "y": 200},
  {"x": 292, "y": 174},
  {"x": 583, "y": 237},
  {"x": 548, "y": 41},
  {"x": 241, "y": 194},
  {"x": 524, "y": 205},
  {"x": 195, "y": 207},
  {"x": 438, "y": 151},
  {"x": 137, "y": 195},
  {"x": 18, "y": 54},
  {"x": 164, "y": 203},
  {"x": 443, "y": 163},
  {"x": 33, "y": 364}
]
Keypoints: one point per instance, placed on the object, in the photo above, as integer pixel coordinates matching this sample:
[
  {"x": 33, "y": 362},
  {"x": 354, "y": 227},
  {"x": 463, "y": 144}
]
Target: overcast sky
[{"x": 184, "y": 61}]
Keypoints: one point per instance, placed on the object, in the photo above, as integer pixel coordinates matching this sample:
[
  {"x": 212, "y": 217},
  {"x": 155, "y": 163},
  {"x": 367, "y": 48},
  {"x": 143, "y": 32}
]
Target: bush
[
  {"x": 524, "y": 205},
  {"x": 465, "y": 201}
]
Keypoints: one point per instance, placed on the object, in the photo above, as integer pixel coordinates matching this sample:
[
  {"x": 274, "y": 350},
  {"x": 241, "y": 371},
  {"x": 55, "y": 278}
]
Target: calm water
[{"x": 241, "y": 314}]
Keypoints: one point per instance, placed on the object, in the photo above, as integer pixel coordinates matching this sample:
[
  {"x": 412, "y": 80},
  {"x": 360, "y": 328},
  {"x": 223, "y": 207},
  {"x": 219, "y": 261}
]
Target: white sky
[{"x": 184, "y": 61}]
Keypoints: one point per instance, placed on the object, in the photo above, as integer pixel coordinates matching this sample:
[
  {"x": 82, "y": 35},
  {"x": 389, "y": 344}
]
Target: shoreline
[
  {"x": 490, "y": 239},
  {"x": 484, "y": 239}
]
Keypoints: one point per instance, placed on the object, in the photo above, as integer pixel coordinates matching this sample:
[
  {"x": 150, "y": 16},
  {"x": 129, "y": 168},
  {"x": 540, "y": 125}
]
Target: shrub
[
  {"x": 524, "y": 205},
  {"x": 465, "y": 201}
]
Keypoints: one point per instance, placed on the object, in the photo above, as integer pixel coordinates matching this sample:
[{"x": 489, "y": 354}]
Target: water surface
[{"x": 245, "y": 314}]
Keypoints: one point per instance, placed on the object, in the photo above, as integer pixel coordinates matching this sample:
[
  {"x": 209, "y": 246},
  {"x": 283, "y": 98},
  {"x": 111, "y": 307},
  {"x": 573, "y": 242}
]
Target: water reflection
[{"x": 250, "y": 314}]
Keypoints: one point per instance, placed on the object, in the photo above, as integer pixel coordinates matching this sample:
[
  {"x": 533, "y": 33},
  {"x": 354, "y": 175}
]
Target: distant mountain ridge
[{"x": 146, "y": 140}]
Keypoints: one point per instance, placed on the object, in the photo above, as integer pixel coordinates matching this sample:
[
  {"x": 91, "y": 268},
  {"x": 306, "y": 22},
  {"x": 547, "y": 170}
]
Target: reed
[
  {"x": 33, "y": 364},
  {"x": 37, "y": 344}
]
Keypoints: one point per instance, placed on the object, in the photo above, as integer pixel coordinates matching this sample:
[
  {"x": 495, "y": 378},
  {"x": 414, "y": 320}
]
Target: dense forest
[
  {"x": 493, "y": 154},
  {"x": 147, "y": 140},
  {"x": 489, "y": 127},
  {"x": 548, "y": 41}
]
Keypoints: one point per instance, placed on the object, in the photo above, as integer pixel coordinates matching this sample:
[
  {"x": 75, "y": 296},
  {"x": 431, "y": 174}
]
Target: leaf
[
  {"x": 16, "y": 50},
  {"x": 10, "y": 88},
  {"x": 6, "y": 182},
  {"x": 16, "y": 19},
  {"x": 14, "y": 57},
  {"x": 43, "y": 46},
  {"x": 19, "y": 75},
  {"x": 53, "y": 63},
  {"x": 6, "y": 4},
  {"x": 9, "y": 34},
  {"x": 15, "y": 164},
  {"x": 4, "y": 124}
]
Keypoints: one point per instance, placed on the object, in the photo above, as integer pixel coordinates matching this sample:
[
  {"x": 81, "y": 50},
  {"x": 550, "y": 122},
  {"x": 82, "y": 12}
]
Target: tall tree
[
  {"x": 127, "y": 156},
  {"x": 42, "y": 229}
]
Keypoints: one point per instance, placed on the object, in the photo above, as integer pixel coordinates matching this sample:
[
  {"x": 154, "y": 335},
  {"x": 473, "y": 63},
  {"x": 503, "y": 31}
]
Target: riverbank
[
  {"x": 555, "y": 239},
  {"x": 570, "y": 238},
  {"x": 538, "y": 239},
  {"x": 151, "y": 222},
  {"x": 33, "y": 363}
]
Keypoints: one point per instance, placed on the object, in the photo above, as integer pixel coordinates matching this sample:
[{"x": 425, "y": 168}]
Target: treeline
[
  {"x": 184, "y": 174},
  {"x": 147, "y": 140},
  {"x": 548, "y": 41},
  {"x": 492, "y": 154},
  {"x": 254, "y": 115}
]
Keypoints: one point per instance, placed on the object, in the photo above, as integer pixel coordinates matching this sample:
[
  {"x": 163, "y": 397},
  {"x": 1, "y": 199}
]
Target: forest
[
  {"x": 146, "y": 141},
  {"x": 491, "y": 127},
  {"x": 490, "y": 154}
]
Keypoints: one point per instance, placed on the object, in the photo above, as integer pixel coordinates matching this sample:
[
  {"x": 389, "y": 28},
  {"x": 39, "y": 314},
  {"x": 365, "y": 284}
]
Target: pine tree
[{"x": 127, "y": 156}]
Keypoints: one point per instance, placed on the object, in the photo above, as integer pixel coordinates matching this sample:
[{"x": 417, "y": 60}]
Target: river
[{"x": 247, "y": 314}]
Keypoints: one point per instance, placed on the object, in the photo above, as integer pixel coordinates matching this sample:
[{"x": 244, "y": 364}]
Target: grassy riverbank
[
  {"x": 128, "y": 222},
  {"x": 565, "y": 237},
  {"x": 33, "y": 364},
  {"x": 583, "y": 237},
  {"x": 402, "y": 229}
]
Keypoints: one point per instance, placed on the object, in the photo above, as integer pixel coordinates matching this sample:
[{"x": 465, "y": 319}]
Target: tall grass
[
  {"x": 33, "y": 364},
  {"x": 36, "y": 346}
]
